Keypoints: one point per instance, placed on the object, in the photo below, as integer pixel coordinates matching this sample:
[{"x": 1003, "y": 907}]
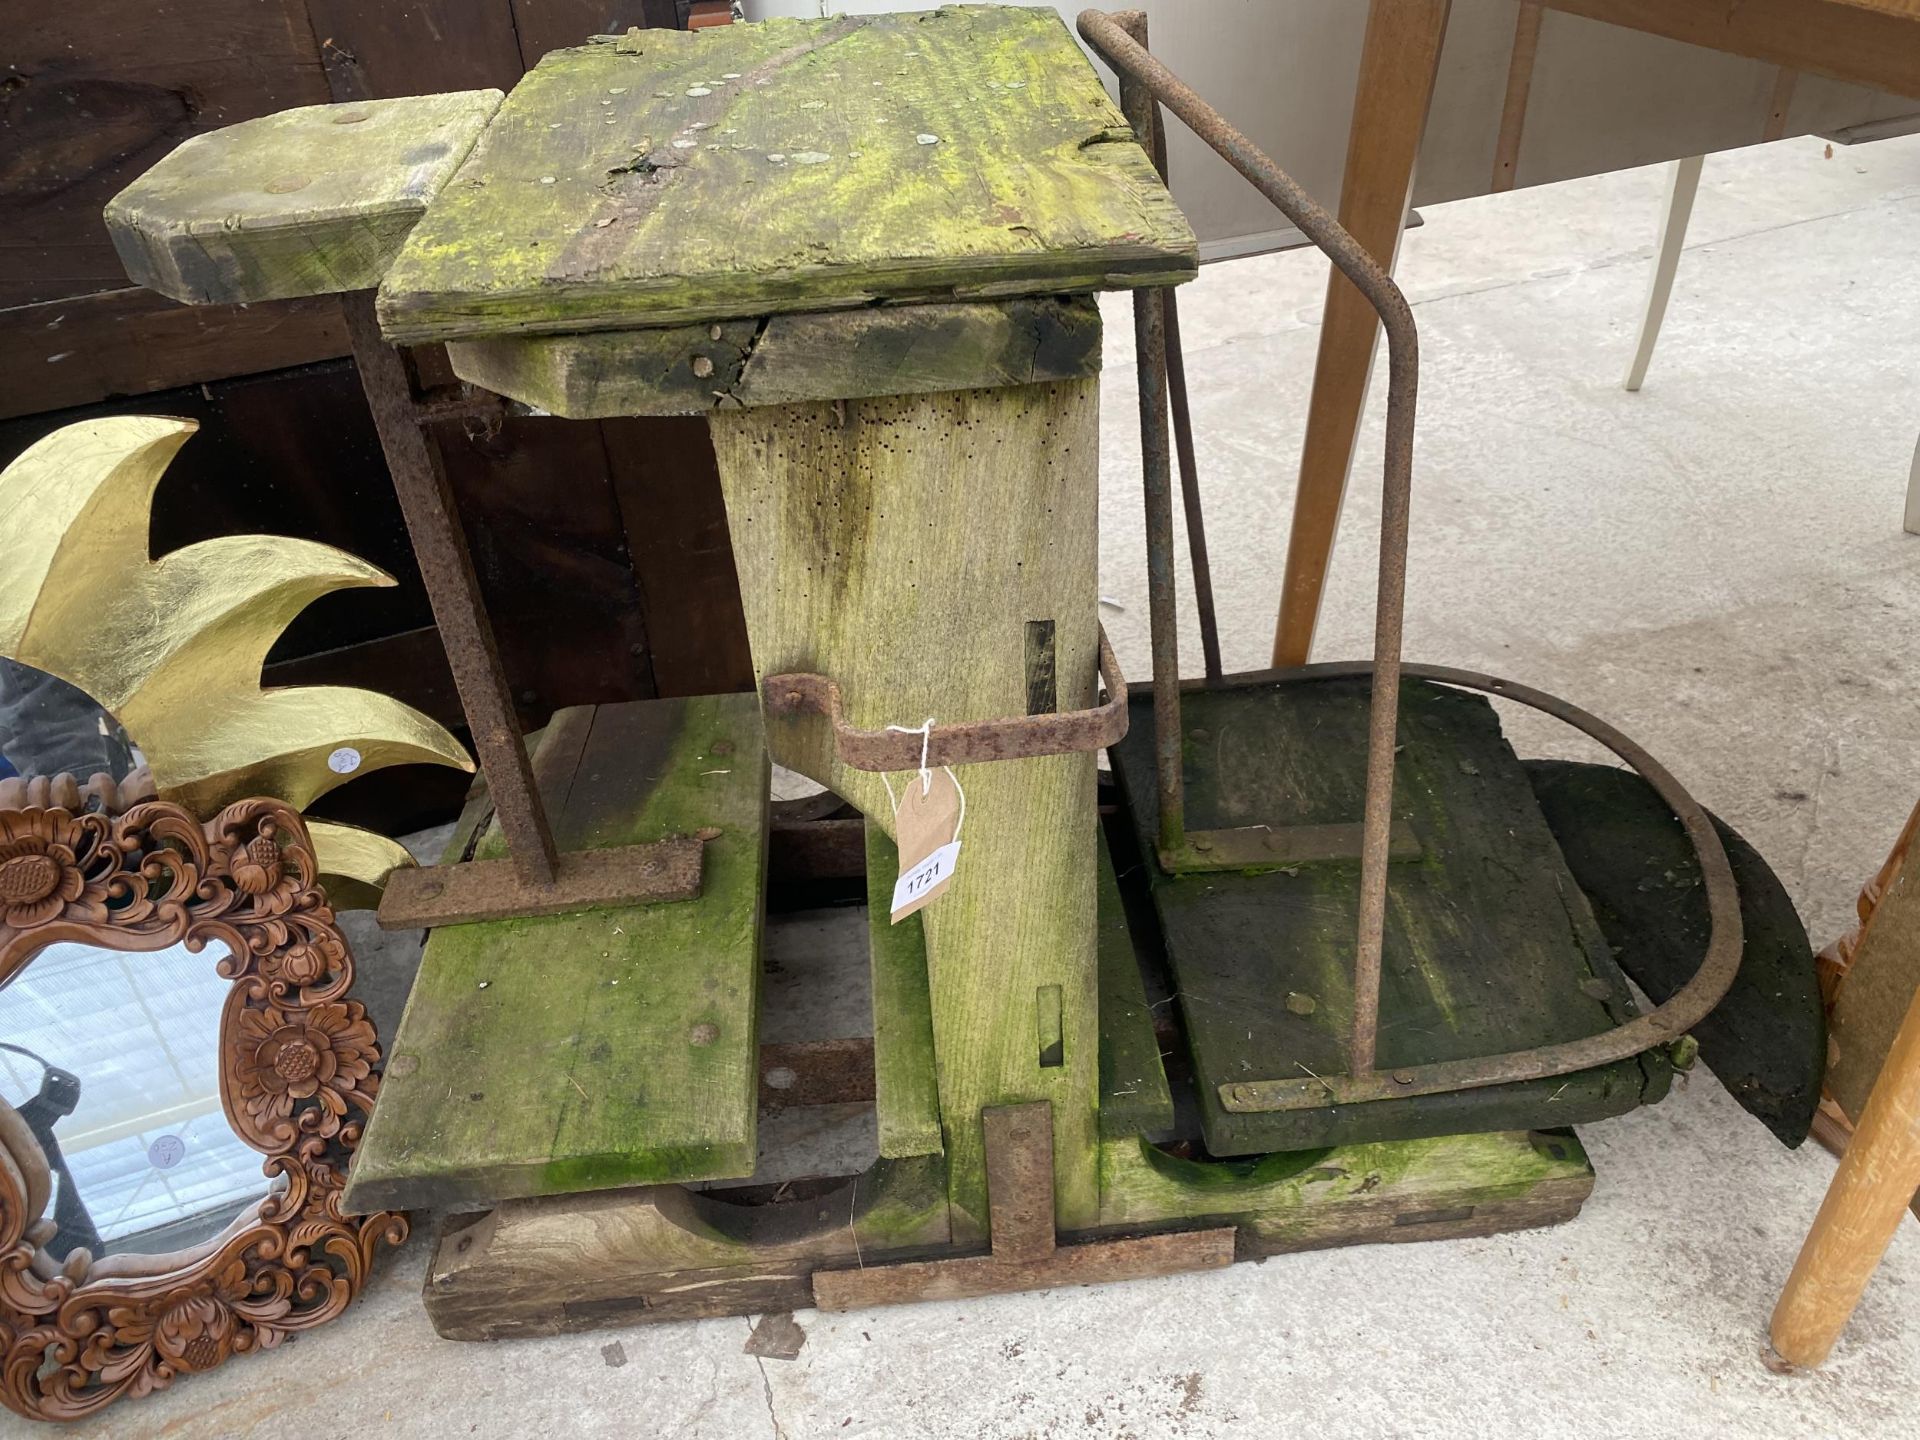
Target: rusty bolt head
[
  {"x": 706, "y": 833},
  {"x": 1403, "y": 1077},
  {"x": 1201, "y": 842},
  {"x": 702, "y": 366}
]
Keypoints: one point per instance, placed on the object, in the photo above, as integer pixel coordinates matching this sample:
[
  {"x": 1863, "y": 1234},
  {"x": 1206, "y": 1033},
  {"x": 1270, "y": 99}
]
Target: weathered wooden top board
[
  {"x": 671, "y": 177},
  {"x": 314, "y": 201},
  {"x": 1490, "y": 945},
  {"x": 617, "y": 1047}
]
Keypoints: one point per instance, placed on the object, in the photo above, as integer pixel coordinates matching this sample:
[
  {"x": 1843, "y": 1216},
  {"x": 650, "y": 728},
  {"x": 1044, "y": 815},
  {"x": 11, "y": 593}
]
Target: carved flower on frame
[
  {"x": 195, "y": 1328},
  {"x": 323, "y": 1054},
  {"x": 40, "y": 870},
  {"x": 258, "y": 870}
]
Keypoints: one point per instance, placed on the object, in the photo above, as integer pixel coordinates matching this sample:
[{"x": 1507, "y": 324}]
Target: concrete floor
[{"x": 1716, "y": 565}]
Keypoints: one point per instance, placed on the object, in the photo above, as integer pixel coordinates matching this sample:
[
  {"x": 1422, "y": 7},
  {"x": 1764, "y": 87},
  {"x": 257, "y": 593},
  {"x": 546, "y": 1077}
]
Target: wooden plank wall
[{"x": 602, "y": 548}]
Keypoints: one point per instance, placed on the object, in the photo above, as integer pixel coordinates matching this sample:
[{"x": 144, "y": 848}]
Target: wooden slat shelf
[
  {"x": 617, "y": 1047},
  {"x": 1491, "y": 946}
]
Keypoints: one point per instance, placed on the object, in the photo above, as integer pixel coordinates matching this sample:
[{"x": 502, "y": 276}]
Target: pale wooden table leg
[
  {"x": 1683, "y": 183},
  {"x": 1869, "y": 1194},
  {"x": 1397, "y": 68}
]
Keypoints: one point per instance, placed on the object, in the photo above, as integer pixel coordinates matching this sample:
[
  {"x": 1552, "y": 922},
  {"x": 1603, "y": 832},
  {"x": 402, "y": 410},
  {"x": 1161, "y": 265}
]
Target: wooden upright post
[{"x": 903, "y": 546}]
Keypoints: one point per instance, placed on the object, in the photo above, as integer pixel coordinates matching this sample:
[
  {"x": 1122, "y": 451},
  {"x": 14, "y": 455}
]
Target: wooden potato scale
[{"x": 864, "y": 247}]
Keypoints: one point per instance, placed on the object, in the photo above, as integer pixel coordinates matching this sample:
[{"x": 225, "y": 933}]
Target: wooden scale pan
[{"x": 1479, "y": 989}]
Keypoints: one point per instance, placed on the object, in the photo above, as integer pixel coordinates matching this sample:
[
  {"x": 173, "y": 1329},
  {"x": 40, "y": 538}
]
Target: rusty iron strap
[
  {"x": 1135, "y": 24},
  {"x": 440, "y": 547},
  {"x": 1152, "y": 376},
  {"x": 1135, "y": 66},
  {"x": 1018, "y": 737},
  {"x": 1660, "y": 1026}
]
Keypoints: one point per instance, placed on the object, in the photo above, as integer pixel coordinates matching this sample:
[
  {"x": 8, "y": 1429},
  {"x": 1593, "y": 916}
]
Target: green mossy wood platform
[
  {"x": 314, "y": 201},
  {"x": 670, "y": 177},
  {"x": 661, "y": 1253},
  {"x": 616, "y": 1047},
  {"x": 1491, "y": 947}
]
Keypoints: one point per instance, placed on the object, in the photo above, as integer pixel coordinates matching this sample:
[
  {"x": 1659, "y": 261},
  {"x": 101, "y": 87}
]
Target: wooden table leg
[
  {"x": 1397, "y": 67},
  {"x": 1869, "y": 1194}
]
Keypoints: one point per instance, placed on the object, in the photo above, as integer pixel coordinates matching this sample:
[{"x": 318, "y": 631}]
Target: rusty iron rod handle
[
  {"x": 1018, "y": 737},
  {"x": 1132, "y": 62},
  {"x": 1662, "y": 1025}
]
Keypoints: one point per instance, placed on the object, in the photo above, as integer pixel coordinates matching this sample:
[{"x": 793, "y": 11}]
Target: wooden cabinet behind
[{"x": 602, "y": 547}]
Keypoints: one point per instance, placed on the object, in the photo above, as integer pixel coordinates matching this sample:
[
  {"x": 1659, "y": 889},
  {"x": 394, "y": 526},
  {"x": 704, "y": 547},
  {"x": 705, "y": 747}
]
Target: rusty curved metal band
[
  {"x": 1132, "y": 62},
  {"x": 1659, "y": 1026},
  {"x": 1018, "y": 737}
]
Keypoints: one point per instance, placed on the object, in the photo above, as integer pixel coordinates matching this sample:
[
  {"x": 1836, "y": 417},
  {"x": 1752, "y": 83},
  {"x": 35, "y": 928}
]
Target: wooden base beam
[{"x": 1025, "y": 1256}]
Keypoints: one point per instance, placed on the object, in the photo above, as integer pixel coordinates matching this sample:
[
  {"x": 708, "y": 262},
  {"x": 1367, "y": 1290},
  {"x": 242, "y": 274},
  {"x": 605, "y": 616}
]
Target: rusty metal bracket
[
  {"x": 1018, "y": 737},
  {"x": 536, "y": 878},
  {"x": 1026, "y": 1252},
  {"x": 648, "y": 874}
]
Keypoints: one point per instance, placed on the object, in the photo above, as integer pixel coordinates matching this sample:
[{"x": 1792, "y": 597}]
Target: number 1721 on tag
[{"x": 924, "y": 881}]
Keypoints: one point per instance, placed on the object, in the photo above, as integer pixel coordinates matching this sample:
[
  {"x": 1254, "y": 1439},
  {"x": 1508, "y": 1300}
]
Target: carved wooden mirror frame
[{"x": 297, "y": 1081}]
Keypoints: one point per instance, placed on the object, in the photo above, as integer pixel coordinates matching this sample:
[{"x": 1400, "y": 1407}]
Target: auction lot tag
[{"x": 925, "y": 827}]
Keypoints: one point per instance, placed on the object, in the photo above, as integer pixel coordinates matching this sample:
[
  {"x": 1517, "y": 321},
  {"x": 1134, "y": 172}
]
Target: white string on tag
[{"x": 925, "y": 731}]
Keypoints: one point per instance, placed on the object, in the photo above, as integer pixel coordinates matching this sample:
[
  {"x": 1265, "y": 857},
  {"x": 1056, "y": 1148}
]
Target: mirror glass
[
  {"x": 113, "y": 1060},
  {"x": 48, "y": 727}
]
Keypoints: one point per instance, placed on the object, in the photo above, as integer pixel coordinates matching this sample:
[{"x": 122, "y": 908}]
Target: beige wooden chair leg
[
  {"x": 1397, "y": 66},
  {"x": 1683, "y": 183},
  {"x": 1870, "y": 1192}
]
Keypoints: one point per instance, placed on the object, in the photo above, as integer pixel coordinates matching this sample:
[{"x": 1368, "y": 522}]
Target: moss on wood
[
  {"x": 314, "y": 201},
  {"x": 677, "y": 177}
]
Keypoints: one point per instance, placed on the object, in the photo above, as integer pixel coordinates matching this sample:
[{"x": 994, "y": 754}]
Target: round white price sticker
[
  {"x": 166, "y": 1152},
  {"x": 344, "y": 761}
]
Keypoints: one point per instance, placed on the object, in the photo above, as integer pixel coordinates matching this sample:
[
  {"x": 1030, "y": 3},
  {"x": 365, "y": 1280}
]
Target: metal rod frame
[
  {"x": 433, "y": 523},
  {"x": 1146, "y": 84}
]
